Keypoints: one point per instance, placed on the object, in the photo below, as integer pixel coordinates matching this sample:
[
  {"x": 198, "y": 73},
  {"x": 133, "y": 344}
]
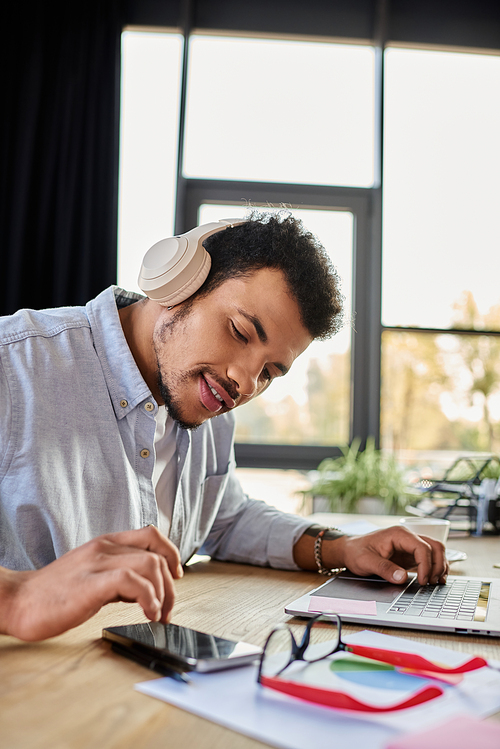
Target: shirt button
[
  {"x": 124, "y": 403},
  {"x": 149, "y": 407},
  {"x": 144, "y": 453}
]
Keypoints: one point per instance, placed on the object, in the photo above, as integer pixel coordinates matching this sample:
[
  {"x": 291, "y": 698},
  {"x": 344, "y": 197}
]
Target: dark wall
[
  {"x": 353, "y": 18},
  {"x": 474, "y": 23}
]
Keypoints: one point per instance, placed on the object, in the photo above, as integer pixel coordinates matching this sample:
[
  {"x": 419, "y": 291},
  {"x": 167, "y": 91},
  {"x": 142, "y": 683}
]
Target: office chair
[{"x": 460, "y": 491}]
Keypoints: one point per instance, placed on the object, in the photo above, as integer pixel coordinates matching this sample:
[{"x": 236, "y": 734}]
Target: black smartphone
[{"x": 185, "y": 648}]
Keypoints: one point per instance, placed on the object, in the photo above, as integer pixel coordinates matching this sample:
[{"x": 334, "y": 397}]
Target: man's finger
[
  {"x": 149, "y": 538},
  {"x": 421, "y": 551},
  {"x": 440, "y": 566},
  {"x": 127, "y": 585},
  {"x": 384, "y": 568},
  {"x": 147, "y": 564}
]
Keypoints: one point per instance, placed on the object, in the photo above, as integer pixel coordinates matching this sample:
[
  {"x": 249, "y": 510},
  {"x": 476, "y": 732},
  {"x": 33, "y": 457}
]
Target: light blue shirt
[{"x": 77, "y": 425}]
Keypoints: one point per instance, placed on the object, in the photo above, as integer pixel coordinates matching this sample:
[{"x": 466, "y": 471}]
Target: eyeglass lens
[
  {"x": 323, "y": 640},
  {"x": 278, "y": 652},
  {"x": 281, "y": 648}
]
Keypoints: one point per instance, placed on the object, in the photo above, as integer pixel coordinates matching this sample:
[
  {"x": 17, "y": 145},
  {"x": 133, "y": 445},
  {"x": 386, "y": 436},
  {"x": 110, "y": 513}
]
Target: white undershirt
[{"x": 165, "y": 467}]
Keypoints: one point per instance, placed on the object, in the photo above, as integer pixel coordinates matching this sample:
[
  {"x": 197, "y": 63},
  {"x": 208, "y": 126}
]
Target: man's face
[{"x": 228, "y": 347}]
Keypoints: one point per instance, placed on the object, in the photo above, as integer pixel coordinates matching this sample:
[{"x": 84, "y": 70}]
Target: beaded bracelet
[{"x": 317, "y": 553}]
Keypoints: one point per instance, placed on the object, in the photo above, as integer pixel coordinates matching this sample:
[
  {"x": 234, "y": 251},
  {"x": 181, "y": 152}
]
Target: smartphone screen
[{"x": 187, "y": 647}]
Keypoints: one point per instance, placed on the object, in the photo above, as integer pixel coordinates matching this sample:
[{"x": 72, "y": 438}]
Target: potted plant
[{"x": 346, "y": 481}]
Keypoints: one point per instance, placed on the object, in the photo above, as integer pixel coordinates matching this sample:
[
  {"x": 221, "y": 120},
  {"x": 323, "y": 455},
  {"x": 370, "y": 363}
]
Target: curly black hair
[{"x": 280, "y": 241}]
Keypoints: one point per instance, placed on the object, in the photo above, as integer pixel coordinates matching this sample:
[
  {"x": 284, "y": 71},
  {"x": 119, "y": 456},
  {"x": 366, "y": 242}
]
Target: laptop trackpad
[{"x": 360, "y": 590}]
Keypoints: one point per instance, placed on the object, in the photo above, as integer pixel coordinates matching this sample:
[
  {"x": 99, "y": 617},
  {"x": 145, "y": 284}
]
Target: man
[{"x": 119, "y": 415}]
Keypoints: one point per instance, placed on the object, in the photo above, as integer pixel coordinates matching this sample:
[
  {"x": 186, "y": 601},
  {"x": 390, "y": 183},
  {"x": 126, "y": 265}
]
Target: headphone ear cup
[
  {"x": 174, "y": 268},
  {"x": 192, "y": 285}
]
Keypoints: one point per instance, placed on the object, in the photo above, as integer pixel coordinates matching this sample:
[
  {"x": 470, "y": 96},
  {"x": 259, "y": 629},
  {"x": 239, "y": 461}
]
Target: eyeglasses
[{"x": 281, "y": 650}]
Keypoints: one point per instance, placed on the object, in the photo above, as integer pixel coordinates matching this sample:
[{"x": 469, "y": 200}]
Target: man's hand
[
  {"x": 388, "y": 553},
  {"x": 138, "y": 565}
]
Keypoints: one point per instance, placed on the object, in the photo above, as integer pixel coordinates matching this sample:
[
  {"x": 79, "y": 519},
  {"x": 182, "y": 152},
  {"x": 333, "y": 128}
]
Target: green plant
[
  {"x": 344, "y": 480},
  {"x": 491, "y": 469}
]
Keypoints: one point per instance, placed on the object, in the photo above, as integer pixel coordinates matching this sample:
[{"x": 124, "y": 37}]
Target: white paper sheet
[{"x": 235, "y": 700}]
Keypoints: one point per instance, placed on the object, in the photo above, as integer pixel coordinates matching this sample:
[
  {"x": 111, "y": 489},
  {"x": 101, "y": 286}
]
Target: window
[
  {"x": 440, "y": 393},
  {"x": 271, "y": 121},
  {"x": 441, "y": 188},
  {"x": 441, "y": 244},
  {"x": 148, "y": 154},
  {"x": 271, "y": 110}
]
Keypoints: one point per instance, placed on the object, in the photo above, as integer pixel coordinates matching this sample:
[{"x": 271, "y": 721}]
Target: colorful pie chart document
[{"x": 235, "y": 700}]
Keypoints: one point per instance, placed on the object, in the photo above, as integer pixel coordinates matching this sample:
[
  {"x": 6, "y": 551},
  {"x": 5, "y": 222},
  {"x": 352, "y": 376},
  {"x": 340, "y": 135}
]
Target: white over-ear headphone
[{"x": 174, "y": 268}]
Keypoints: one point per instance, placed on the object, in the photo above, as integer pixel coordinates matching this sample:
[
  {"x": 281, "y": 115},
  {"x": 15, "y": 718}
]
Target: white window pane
[
  {"x": 441, "y": 244},
  {"x": 310, "y": 405},
  {"x": 148, "y": 145},
  {"x": 280, "y": 111},
  {"x": 440, "y": 392}
]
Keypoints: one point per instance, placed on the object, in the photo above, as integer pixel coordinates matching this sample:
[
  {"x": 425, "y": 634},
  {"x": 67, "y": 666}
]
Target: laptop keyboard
[{"x": 455, "y": 600}]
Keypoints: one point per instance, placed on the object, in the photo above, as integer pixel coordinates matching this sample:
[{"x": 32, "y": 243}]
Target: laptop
[{"x": 466, "y": 605}]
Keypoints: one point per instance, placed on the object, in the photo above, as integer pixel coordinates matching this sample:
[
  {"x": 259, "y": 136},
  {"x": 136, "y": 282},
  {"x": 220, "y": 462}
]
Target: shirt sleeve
[
  {"x": 12, "y": 552},
  {"x": 5, "y": 420},
  {"x": 250, "y": 531}
]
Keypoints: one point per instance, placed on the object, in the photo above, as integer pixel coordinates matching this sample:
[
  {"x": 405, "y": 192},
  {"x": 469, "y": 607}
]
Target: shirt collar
[{"x": 125, "y": 383}]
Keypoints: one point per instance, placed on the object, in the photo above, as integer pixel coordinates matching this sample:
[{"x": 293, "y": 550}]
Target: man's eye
[
  {"x": 266, "y": 374},
  {"x": 237, "y": 333}
]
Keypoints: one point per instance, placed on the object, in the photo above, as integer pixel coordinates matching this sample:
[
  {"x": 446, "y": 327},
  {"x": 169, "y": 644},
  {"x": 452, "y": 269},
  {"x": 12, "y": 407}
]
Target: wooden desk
[{"x": 72, "y": 691}]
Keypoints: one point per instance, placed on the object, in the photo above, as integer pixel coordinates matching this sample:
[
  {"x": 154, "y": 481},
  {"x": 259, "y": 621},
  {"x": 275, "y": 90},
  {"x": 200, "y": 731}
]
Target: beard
[
  {"x": 169, "y": 389},
  {"x": 172, "y": 403}
]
